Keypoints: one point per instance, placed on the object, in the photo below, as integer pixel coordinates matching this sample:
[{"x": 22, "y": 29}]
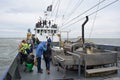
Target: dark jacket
[
  {"x": 49, "y": 41},
  {"x": 30, "y": 59},
  {"x": 48, "y": 52}
]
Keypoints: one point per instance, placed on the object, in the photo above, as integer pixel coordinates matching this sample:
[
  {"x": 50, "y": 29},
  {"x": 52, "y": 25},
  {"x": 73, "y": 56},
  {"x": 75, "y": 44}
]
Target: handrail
[
  {"x": 108, "y": 47},
  {"x": 58, "y": 57},
  {"x": 79, "y": 68},
  {"x": 13, "y": 71}
]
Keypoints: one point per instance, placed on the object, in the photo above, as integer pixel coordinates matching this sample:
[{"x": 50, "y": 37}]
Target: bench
[
  {"x": 101, "y": 69},
  {"x": 100, "y": 63}
]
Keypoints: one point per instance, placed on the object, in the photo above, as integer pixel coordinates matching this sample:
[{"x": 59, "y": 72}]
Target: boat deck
[{"x": 58, "y": 75}]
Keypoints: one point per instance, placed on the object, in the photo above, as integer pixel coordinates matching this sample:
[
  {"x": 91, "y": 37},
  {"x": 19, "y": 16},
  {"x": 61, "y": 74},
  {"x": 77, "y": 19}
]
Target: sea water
[
  {"x": 9, "y": 49},
  {"x": 105, "y": 41}
]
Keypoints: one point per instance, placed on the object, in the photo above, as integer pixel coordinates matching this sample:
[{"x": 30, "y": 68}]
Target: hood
[{"x": 43, "y": 43}]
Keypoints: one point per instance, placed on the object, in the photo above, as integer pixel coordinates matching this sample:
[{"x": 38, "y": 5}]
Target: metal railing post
[{"x": 79, "y": 68}]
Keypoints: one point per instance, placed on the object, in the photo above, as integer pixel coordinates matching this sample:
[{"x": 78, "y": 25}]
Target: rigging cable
[
  {"x": 76, "y": 7},
  {"x": 93, "y": 22},
  {"x": 72, "y": 12},
  {"x": 57, "y": 10},
  {"x": 63, "y": 16},
  {"x": 91, "y": 13},
  {"x": 84, "y": 12},
  {"x": 67, "y": 8},
  {"x": 52, "y": 8}
]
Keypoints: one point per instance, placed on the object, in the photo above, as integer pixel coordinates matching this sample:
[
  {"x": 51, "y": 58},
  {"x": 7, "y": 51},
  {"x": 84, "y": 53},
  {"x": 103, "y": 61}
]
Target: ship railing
[
  {"x": 104, "y": 63},
  {"x": 12, "y": 72},
  {"x": 115, "y": 49}
]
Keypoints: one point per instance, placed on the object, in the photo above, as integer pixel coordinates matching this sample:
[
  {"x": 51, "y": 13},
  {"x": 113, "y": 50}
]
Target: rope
[
  {"x": 63, "y": 16},
  {"x": 57, "y": 10},
  {"x": 75, "y": 8},
  {"x": 93, "y": 22},
  {"x": 83, "y": 12},
  {"x": 90, "y": 14},
  {"x": 52, "y": 9}
]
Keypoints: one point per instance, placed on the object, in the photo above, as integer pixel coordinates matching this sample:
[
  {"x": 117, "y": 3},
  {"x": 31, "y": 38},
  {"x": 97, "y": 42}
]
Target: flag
[{"x": 49, "y": 8}]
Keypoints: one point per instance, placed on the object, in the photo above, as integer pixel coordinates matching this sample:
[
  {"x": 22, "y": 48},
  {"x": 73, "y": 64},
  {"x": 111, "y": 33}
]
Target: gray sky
[{"x": 16, "y": 16}]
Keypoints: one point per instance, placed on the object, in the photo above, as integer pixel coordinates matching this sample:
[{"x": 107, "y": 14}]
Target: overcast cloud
[{"x": 16, "y": 16}]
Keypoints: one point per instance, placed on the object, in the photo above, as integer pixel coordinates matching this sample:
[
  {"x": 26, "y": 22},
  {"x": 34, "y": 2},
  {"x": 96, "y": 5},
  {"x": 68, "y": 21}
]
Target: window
[
  {"x": 45, "y": 31},
  {"x": 48, "y": 31},
  {"x": 38, "y": 31},
  {"x": 54, "y": 31},
  {"x": 51, "y": 31}
]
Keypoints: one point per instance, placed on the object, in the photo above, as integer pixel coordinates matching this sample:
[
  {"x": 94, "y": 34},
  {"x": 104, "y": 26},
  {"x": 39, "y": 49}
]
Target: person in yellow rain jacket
[
  {"x": 23, "y": 47},
  {"x": 29, "y": 34},
  {"x": 29, "y": 46}
]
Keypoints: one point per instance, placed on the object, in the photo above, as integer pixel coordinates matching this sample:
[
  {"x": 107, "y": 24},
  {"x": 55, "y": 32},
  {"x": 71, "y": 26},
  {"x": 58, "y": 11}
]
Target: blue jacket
[{"x": 41, "y": 47}]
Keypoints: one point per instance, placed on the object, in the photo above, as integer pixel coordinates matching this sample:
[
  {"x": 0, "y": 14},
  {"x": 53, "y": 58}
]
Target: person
[
  {"x": 29, "y": 34},
  {"x": 49, "y": 23},
  {"x": 30, "y": 46},
  {"x": 29, "y": 63},
  {"x": 36, "y": 42},
  {"x": 49, "y": 40},
  {"x": 47, "y": 58},
  {"x": 39, "y": 51},
  {"x": 33, "y": 39},
  {"x": 40, "y": 23},
  {"x": 22, "y": 50}
]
